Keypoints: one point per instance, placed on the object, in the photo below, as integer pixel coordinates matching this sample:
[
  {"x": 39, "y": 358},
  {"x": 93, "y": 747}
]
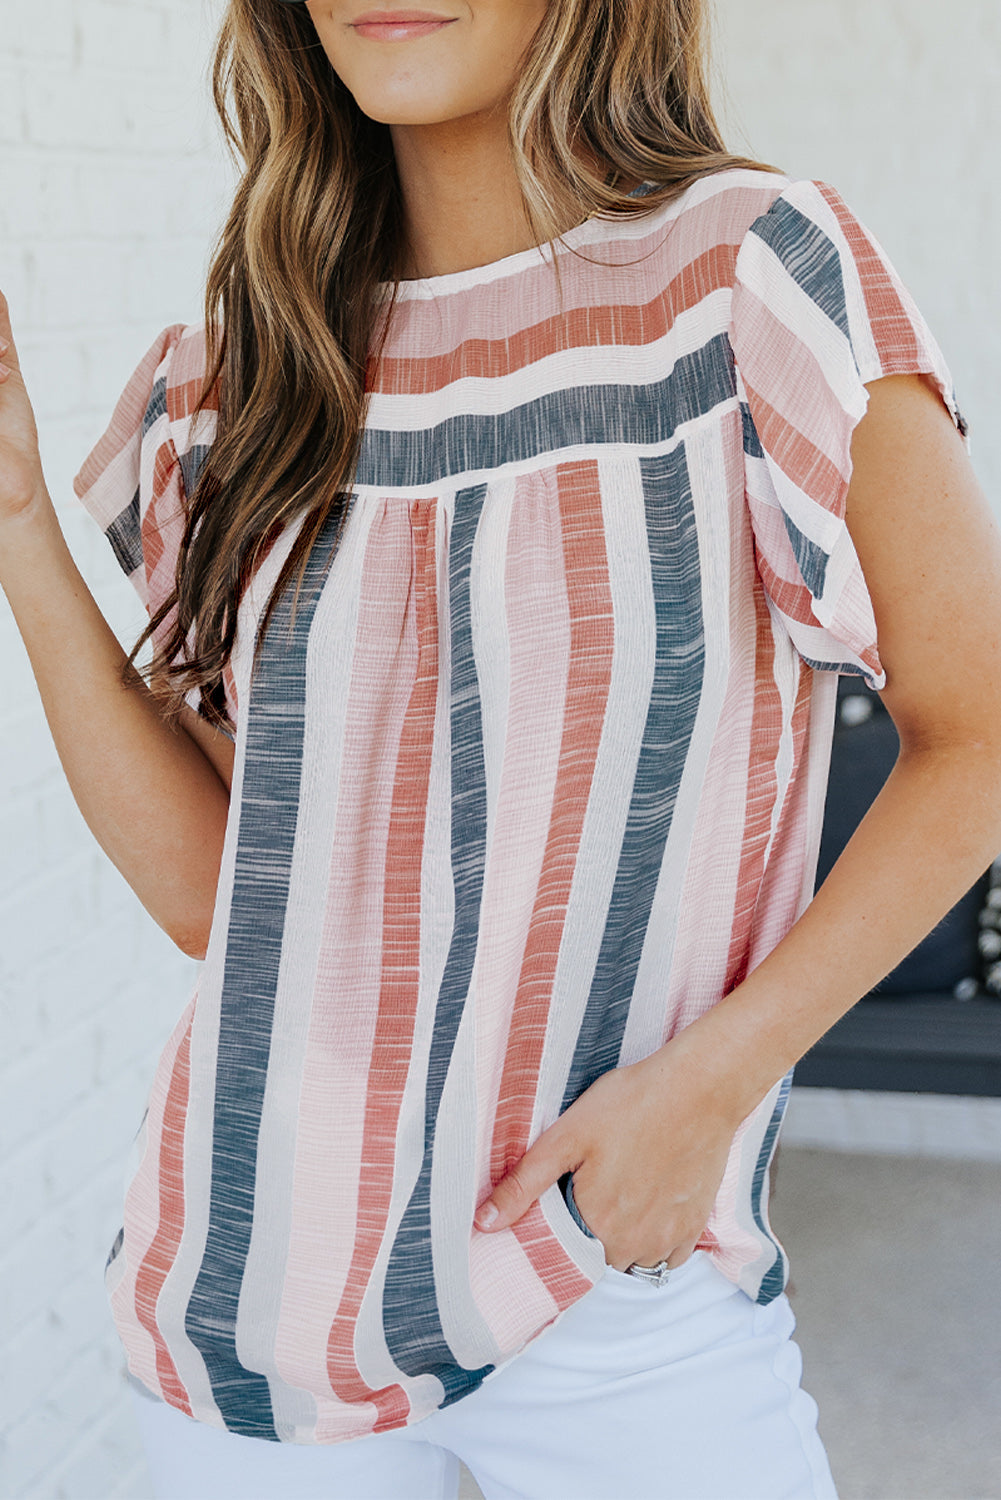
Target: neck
[{"x": 462, "y": 201}]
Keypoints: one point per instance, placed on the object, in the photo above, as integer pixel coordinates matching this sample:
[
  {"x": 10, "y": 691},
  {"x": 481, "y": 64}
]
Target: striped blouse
[{"x": 532, "y": 776}]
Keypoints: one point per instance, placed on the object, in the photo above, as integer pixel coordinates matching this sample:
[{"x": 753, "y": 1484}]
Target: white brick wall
[
  {"x": 111, "y": 186},
  {"x": 898, "y": 104},
  {"x": 111, "y": 183}
]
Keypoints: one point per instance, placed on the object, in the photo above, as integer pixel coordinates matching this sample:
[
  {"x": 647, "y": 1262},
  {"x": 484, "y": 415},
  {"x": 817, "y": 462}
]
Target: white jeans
[{"x": 686, "y": 1392}]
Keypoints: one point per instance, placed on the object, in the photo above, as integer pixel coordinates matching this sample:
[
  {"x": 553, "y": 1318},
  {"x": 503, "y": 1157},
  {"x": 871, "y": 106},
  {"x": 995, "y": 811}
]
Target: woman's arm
[
  {"x": 155, "y": 796},
  {"x": 648, "y": 1143}
]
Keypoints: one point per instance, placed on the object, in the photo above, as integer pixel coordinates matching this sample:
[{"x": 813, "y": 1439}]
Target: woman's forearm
[
  {"x": 149, "y": 794},
  {"x": 934, "y": 828}
]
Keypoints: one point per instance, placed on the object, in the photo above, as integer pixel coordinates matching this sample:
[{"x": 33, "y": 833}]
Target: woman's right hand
[
  {"x": 155, "y": 794},
  {"x": 22, "y": 483}
]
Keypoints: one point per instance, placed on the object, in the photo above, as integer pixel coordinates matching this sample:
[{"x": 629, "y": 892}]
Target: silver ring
[{"x": 653, "y": 1275}]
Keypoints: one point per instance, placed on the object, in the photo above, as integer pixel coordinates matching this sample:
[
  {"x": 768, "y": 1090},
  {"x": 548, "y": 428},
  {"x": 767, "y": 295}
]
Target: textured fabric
[
  {"x": 529, "y": 779},
  {"x": 689, "y": 1392}
]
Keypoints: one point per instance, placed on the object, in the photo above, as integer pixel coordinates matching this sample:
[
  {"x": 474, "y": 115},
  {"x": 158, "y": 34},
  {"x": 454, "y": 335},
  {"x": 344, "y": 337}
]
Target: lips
[{"x": 399, "y": 25}]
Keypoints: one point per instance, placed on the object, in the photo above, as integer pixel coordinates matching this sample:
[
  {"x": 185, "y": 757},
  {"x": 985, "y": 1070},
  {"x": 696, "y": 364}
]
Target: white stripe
[
  {"x": 706, "y": 462},
  {"x": 604, "y": 826},
  {"x": 706, "y": 914},
  {"x": 761, "y": 272},
  {"x": 753, "y": 1270}
]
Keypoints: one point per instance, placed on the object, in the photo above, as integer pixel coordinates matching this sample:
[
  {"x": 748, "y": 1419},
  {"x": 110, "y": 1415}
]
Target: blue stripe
[
  {"x": 672, "y": 535},
  {"x": 115, "y": 1250},
  {"x": 752, "y": 443},
  {"x": 192, "y": 464},
  {"x": 125, "y": 536},
  {"x": 775, "y": 1278},
  {"x": 156, "y": 406},
  {"x": 810, "y": 258},
  {"x": 811, "y": 559},
  {"x": 566, "y": 1183},
  {"x": 411, "y": 1320},
  {"x": 846, "y": 668},
  {"x": 268, "y": 816},
  {"x": 578, "y": 416}
]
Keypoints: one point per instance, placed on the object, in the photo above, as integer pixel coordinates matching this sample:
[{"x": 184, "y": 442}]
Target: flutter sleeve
[
  {"x": 136, "y": 481},
  {"x": 818, "y": 313}
]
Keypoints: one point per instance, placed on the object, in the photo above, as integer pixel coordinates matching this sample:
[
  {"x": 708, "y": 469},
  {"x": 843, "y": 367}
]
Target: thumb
[
  {"x": 8, "y": 350},
  {"x": 538, "y": 1169}
]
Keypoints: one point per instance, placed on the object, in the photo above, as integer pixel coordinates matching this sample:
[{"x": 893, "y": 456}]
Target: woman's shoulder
[
  {"x": 182, "y": 371},
  {"x": 722, "y": 204},
  {"x": 170, "y": 377},
  {"x": 725, "y": 208},
  {"x": 163, "y": 412}
]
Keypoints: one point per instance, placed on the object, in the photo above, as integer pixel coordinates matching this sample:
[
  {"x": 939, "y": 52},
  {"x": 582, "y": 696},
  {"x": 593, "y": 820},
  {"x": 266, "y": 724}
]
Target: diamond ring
[{"x": 653, "y": 1275}]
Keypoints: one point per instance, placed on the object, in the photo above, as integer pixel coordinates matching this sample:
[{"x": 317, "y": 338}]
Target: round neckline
[
  {"x": 452, "y": 281},
  {"x": 425, "y": 287}
]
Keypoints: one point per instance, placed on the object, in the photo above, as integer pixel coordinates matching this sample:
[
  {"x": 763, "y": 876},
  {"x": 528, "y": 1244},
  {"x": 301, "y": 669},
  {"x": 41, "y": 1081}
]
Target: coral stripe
[
  {"x": 892, "y": 326},
  {"x": 766, "y": 726},
  {"x": 159, "y": 1258},
  {"x": 577, "y": 328}
]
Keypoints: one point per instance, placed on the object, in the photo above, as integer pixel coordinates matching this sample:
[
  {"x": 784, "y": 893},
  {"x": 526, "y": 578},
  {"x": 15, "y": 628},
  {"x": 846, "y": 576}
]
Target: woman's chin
[
  {"x": 387, "y": 112},
  {"x": 433, "y": 102}
]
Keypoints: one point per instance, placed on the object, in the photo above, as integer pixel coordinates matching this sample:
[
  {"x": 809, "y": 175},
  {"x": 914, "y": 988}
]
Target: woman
[{"x": 503, "y": 532}]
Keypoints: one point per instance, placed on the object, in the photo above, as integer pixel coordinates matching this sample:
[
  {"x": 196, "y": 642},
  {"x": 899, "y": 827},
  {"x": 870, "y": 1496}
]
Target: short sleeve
[
  {"x": 136, "y": 481},
  {"x": 818, "y": 313}
]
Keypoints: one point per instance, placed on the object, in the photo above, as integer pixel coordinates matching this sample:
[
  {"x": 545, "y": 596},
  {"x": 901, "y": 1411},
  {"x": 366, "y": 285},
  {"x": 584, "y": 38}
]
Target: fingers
[
  {"x": 8, "y": 352},
  {"x": 538, "y": 1169},
  {"x": 679, "y": 1256}
]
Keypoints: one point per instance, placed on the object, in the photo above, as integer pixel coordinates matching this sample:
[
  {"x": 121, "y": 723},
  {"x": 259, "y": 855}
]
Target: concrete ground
[{"x": 896, "y": 1285}]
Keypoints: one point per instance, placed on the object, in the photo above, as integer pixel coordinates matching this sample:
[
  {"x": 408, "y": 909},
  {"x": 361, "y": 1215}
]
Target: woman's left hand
[{"x": 647, "y": 1145}]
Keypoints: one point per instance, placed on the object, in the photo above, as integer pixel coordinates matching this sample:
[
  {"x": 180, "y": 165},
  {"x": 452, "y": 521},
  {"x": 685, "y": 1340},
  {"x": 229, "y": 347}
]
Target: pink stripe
[
  {"x": 328, "y": 1192},
  {"x": 506, "y": 1290},
  {"x": 781, "y": 884},
  {"x": 144, "y": 1205},
  {"x": 393, "y": 1043},
  {"x": 778, "y": 897},
  {"x": 801, "y": 423},
  {"x": 160, "y": 1256},
  {"x": 673, "y": 247},
  {"x": 892, "y": 327},
  {"x": 538, "y": 633},
  {"x": 163, "y": 525},
  {"x": 698, "y": 966},
  {"x": 125, "y": 428},
  {"x": 560, "y": 632},
  {"x": 762, "y": 789},
  {"x": 557, "y": 1272},
  {"x": 588, "y": 681},
  {"x": 187, "y": 376},
  {"x": 580, "y": 327},
  {"x": 539, "y": 643}
]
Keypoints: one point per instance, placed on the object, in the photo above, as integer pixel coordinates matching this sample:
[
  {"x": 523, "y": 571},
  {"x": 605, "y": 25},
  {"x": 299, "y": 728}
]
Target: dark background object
[
  {"x": 912, "y": 1033},
  {"x": 865, "y": 748}
]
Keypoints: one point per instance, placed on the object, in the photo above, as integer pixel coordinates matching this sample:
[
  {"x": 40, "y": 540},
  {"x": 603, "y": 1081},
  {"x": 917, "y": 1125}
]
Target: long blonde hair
[{"x": 611, "y": 92}]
